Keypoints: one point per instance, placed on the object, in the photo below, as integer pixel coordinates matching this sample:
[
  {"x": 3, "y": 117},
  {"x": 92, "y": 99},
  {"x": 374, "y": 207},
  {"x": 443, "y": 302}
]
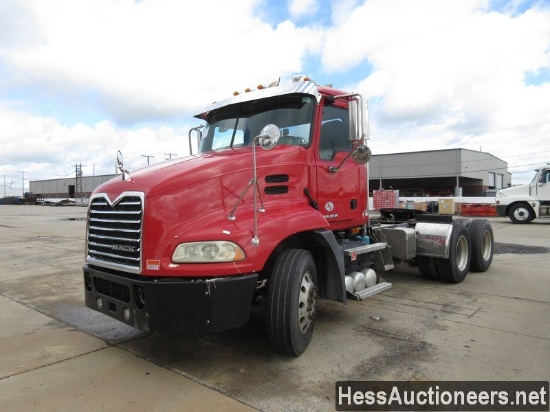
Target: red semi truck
[{"x": 274, "y": 204}]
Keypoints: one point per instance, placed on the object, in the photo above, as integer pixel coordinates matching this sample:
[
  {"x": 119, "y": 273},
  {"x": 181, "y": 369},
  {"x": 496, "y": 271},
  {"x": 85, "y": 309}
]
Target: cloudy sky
[{"x": 81, "y": 79}]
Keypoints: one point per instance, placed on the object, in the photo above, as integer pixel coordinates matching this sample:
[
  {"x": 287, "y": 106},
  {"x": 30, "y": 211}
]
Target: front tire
[
  {"x": 291, "y": 302},
  {"x": 521, "y": 213},
  {"x": 455, "y": 269}
]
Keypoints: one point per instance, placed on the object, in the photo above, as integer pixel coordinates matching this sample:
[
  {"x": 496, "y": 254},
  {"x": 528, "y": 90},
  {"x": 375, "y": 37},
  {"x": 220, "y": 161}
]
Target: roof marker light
[{"x": 300, "y": 78}]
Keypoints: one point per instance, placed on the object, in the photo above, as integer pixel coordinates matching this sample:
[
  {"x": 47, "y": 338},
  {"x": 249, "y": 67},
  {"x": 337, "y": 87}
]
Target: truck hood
[
  {"x": 192, "y": 170},
  {"x": 511, "y": 192},
  {"x": 190, "y": 199}
]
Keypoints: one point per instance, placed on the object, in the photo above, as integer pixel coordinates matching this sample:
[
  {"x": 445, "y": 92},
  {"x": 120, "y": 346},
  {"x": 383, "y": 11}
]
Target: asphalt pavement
[{"x": 57, "y": 355}]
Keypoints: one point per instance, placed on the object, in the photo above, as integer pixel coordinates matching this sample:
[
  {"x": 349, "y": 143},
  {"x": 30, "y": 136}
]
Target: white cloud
[
  {"x": 153, "y": 58},
  {"x": 45, "y": 149},
  {"x": 301, "y": 8},
  {"x": 438, "y": 73},
  {"x": 342, "y": 9},
  {"x": 448, "y": 73}
]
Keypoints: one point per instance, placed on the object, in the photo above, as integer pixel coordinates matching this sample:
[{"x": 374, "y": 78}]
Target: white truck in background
[{"x": 526, "y": 202}]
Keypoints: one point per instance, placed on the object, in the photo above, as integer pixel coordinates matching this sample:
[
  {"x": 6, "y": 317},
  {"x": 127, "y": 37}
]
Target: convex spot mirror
[
  {"x": 269, "y": 137},
  {"x": 362, "y": 154}
]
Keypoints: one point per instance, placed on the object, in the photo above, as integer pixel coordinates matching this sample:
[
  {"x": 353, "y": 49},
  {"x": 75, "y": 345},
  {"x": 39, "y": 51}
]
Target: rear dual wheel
[
  {"x": 483, "y": 241},
  {"x": 455, "y": 269},
  {"x": 471, "y": 247}
]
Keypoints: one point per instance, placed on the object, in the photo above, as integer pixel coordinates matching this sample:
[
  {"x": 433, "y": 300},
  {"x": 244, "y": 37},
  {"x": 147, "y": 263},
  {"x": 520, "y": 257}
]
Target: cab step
[
  {"x": 370, "y": 291},
  {"x": 381, "y": 252},
  {"x": 359, "y": 250}
]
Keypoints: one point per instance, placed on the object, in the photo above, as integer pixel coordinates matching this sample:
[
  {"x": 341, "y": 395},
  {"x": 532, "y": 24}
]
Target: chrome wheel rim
[
  {"x": 486, "y": 244},
  {"x": 306, "y": 303},
  {"x": 462, "y": 253}
]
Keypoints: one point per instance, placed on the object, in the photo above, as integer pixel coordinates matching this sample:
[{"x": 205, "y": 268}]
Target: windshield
[
  {"x": 238, "y": 124},
  {"x": 544, "y": 176}
]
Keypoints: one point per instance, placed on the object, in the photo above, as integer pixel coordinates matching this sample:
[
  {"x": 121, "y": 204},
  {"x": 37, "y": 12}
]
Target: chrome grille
[{"x": 114, "y": 232}]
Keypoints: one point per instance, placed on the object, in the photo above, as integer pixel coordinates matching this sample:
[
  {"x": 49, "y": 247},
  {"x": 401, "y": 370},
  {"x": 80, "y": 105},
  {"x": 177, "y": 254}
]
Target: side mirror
[
  {"x": 361, "y": 155},
  {"x": 358, "y": 123},
  {"x": 268, "y": 138},
  {"x": 198, "y": 132}
]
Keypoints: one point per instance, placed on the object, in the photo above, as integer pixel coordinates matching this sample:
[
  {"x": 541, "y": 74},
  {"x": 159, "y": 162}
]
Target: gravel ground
[{"x": 503, "y": 248}]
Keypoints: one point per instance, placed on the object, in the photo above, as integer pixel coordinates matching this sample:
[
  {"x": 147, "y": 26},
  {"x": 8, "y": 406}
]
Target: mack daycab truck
[
  {"x": 523, "y": 203},
  {"x": 273, "y": 207}
]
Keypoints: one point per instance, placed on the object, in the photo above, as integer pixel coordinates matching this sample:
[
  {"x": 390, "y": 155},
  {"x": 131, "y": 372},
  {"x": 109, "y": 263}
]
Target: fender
[
  {"x": 329, "y": 259},
  {"x": 278, "y": 222},
  {"x": 507, "y": 198},
  {"x": 503, "y": 208},
  {"x": 333, "y": 270}
]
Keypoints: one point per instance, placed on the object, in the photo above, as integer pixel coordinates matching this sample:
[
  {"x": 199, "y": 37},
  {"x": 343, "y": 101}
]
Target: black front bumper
[
  {"x": 501, "y": 210},
  {"x": 171, "y": 306}
]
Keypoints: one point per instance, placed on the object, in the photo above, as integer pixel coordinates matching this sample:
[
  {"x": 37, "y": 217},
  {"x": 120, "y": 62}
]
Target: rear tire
[
  {"x": 427, "y": 266},
  {"x": 455, "y": 269},
  {"x": 463, "y": 220},
  {"x": 291, "y": 302},
  {"x": 481, "y": 235},
  {"x": 521, "y": 213}
]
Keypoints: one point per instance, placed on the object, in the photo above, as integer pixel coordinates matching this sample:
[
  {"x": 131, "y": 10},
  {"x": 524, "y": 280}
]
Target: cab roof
[{"x": 298, "y": 84}]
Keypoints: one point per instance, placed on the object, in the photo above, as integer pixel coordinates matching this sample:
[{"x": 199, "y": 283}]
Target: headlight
[{"x": 208, "y": 252}]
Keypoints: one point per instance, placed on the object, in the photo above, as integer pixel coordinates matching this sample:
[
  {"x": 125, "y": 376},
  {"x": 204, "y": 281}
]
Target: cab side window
[{"x": 334, "y": 132}]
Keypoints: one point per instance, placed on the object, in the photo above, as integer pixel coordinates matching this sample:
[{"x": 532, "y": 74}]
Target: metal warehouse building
[
  {"x": 450, "y": 172},
  {"x": 67, "y": 187},
  {"x": 434, "y": 173}
]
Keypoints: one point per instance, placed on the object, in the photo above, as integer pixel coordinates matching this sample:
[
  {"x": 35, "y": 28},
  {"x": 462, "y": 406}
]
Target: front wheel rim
[
  {"x": 306, "y": 302},
  {"x": 521, "y": 213}
]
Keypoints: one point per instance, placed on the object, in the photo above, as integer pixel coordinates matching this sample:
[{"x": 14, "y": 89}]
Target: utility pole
[
  {"x": 23, "y": 190},
  {"x": 11, "y": 183},
  {"x": 77, "y": 180},
  {"x": 148, "y": 156},
  {"x": 170, "y": 155}
]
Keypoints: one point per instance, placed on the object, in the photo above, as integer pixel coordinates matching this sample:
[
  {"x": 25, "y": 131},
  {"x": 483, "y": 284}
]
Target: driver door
[
  {"x": 342, "y": 194},
  {"x": 541, "y": 189}
]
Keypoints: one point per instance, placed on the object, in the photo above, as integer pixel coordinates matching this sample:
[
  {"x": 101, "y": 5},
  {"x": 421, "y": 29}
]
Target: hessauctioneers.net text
[{"x": 442, "y": 396}]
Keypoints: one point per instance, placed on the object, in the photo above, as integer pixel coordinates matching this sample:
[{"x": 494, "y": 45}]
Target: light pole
[
  {"x": 23, "y": 179},
  {"x": 148, "y": 156}
]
